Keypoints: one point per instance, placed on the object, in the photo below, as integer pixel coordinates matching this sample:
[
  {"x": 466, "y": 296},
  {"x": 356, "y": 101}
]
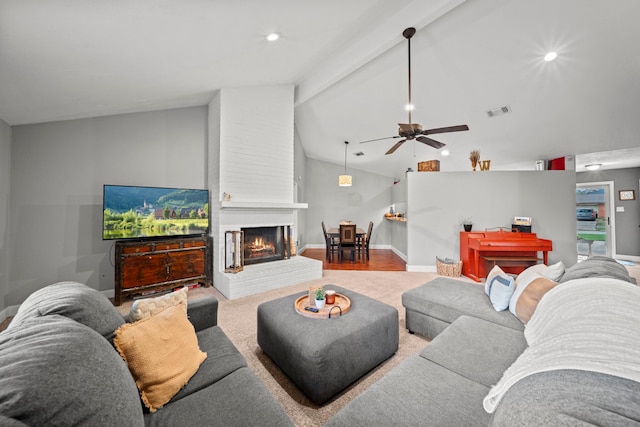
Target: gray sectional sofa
[
  {"x": 58, "y": 367},
  {"x": 472, "y": 347}
]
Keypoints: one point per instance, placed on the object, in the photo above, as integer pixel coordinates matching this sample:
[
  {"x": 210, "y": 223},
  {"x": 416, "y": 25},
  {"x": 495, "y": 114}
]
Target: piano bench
[{"x": 518, "y": 263}]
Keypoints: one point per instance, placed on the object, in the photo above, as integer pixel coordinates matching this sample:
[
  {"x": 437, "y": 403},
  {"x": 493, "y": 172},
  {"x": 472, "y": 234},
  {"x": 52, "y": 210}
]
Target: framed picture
[{"x": 626, "y": 195}]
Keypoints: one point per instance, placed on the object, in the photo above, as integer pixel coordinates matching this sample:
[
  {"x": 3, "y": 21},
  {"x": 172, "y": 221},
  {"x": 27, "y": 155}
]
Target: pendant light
[{"x": 345, "y": 180}]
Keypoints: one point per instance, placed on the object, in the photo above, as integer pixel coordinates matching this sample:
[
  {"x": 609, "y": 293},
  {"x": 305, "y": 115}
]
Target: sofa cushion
[
  {"x": 600, "y": 266},
  {"x": 238, "y": 399},
  {"x": 147, "y": 307},
  {"x": 483, "y": 350},
  {"x": 569, "y": 397},
  {"x": 162, "y": 354},
  {"x": 75, "y": 301},
  {"x": 447, "y": 299},
  {"x": 417, "y": 392},
  {"x": 222, "y": 359},
  {"x": 57, "y": 372}
]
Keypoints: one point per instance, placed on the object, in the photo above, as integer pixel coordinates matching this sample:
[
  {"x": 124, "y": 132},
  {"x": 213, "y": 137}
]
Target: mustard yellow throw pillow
[{"x": 162, "y": 353}]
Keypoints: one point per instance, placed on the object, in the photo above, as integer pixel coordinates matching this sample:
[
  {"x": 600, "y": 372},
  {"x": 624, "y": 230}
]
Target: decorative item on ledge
[
  {"x": 233, "y": 251},
  {"x": 485, "y": 165},
  {"x": 474, "y": 156},
  {"x": 429, "y": 166},
  {"x": 467, "y": 223}
]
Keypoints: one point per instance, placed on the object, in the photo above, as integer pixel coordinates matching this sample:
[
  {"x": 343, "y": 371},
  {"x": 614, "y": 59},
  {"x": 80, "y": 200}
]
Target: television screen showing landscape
[{"x": 139, "y": 212}]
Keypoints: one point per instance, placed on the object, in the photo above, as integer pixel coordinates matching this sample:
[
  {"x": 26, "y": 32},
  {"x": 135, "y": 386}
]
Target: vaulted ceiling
[{"x": 66, "y": 59}]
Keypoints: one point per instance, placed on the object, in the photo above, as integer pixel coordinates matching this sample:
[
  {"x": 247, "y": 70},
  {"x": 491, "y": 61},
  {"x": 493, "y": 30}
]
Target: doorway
[{"x": 595, "y": 226}]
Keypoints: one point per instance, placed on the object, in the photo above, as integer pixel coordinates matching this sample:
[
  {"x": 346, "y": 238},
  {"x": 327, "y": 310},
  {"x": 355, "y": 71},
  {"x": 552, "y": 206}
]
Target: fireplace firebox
[{"x": 265, "y": 244}]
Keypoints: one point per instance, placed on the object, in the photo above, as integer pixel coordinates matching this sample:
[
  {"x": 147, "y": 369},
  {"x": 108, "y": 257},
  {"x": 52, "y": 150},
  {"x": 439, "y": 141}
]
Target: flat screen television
[{"x": 130, "y": 212}]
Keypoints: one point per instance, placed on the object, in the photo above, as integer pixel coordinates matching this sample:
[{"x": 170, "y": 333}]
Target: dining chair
[
  {"x": 348, "y": 240},
  {"x": 331, "y": 243},
  {"x": 368, "y": 240}
]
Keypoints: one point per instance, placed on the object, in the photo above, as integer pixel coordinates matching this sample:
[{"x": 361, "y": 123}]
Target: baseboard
[
  {"x": 422, "y": 268},
  {"x": 109, "y": 294},
  {"x": 628, "y": 257}
]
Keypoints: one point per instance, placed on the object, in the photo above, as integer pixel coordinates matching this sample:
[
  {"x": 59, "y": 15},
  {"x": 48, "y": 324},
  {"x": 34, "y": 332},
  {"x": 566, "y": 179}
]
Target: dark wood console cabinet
[{"x": 151, "y": 265}]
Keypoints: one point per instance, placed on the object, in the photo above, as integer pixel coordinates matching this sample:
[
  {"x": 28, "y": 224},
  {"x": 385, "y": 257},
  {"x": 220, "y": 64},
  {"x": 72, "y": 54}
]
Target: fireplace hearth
[{"x": 265, "y": 244}]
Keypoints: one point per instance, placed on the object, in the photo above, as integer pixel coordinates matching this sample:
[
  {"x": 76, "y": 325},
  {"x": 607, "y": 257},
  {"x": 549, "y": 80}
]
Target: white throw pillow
[
  {"x": 500, "y": 287},
  {"x": 147, "y": 307},
  {"x": 554, "y": 272}
]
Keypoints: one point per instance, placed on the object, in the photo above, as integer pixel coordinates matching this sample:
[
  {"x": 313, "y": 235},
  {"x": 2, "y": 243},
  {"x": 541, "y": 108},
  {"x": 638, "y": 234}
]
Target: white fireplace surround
[{"x": 262, "y": 277}]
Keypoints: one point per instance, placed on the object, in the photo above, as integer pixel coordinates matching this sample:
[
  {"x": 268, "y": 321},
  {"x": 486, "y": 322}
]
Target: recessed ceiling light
[
  {"x": 550, "y": 56},
  {"x": 273, "y": 37},
  {"x": 445, "y": 152},
  {"x": 593, "y": 166}
]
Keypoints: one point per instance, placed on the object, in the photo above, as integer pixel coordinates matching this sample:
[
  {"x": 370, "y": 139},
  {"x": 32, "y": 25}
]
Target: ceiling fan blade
[
  {"x": 458, "y": 128},
  {"x": 430, "y": 142},
  {"x": 395, "y": 147},
  {"x": 379, "y": 139}
]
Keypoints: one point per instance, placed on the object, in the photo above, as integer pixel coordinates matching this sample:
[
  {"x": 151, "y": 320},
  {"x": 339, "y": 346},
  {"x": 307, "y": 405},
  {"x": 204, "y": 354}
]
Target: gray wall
[
  {"x": 5, "y": 181},
  {"x": 367, "y": 200},
  {"x": 627, "y": 222},
  {"x": 57, "y": 173},
  {"x": 438, "y": 200},
  {"x": 398, "y": 230}
]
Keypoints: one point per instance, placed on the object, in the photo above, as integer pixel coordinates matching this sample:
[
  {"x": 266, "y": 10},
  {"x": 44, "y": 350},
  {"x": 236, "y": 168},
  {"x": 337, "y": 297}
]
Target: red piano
[{"x": 511, "y": 250}]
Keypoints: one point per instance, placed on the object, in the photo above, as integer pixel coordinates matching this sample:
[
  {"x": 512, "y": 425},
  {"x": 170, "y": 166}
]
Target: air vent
[
  {"x": 358, "y": 154},
  {"x": 499, "y": 111}
]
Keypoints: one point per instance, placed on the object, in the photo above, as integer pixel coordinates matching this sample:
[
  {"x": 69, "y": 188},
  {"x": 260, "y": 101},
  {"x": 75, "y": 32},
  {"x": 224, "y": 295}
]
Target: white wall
[
  {"x": 57, "y": 173},
  {"x": 256, "y": 143},
  {"x": 367, "y": 200},
  {"x": 5, "y": 180},
  {"x": 437, "y": 200}
]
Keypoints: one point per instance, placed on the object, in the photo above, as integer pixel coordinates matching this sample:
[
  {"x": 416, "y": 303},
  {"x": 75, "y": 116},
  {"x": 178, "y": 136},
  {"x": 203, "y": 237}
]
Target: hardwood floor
[{"x": 380, "y": 260}]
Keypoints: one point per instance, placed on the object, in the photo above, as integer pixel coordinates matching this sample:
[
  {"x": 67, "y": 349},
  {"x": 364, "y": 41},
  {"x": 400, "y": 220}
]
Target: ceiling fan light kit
[
  {"x": 345, "y": 180},
  {"x": 413, "y": 131}
]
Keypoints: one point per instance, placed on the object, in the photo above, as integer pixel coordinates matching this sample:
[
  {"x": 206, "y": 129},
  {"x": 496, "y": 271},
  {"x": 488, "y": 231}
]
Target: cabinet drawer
[
  {"x": 144, "y": 270},
  {"x": 194, "y": 244},
  {"x": 185, "y": 264},
  {"x": 136, "y": 249},
  {"x": 167, "y": 246}
]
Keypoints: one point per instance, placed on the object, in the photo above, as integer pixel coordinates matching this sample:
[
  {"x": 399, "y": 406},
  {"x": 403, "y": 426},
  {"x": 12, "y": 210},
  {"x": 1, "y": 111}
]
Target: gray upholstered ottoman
[{"x": 323, "y": 356}]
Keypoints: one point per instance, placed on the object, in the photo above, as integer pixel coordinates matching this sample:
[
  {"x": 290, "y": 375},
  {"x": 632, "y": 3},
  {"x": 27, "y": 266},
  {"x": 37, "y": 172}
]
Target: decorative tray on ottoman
[{"x": 342, "y": 301}]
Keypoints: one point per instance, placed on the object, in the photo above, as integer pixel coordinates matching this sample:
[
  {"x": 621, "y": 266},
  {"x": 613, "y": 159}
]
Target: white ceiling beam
[{"x": 372, "y": 44}]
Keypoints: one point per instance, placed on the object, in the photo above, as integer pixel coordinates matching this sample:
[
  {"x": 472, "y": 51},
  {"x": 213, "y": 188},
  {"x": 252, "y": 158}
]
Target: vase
[
  {"x": 320, "y": 303},
  {"x": 467, "y": 227},
  {"x": 474, "y": 163}
]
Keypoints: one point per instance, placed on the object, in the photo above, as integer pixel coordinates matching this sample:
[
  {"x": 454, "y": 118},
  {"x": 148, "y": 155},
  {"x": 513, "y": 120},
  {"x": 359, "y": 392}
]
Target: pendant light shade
[{"x": 345, "y": 180}]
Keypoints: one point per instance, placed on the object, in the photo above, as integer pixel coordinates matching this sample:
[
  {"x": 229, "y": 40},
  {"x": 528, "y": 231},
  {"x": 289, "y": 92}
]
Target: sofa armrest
[{"x": 203, "y": 312}]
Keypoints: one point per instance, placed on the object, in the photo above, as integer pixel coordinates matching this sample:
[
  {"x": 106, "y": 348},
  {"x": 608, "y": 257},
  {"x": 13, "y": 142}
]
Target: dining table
[{"x": 334, "y": 233}]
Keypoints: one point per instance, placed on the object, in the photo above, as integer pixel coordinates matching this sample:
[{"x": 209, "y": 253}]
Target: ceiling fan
[{"x": 410, "y": 131}]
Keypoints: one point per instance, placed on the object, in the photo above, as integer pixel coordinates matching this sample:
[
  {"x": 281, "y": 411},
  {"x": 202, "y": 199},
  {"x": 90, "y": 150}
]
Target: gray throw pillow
[
  {"x": 75, "y": 301},
  {"x": 57, "y": 372},
  {"x": 597, "y": 266}
]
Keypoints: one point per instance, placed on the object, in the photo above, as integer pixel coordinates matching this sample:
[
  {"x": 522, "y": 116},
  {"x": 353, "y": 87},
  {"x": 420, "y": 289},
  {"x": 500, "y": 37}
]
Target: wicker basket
[{"x": 451, "y": 270}]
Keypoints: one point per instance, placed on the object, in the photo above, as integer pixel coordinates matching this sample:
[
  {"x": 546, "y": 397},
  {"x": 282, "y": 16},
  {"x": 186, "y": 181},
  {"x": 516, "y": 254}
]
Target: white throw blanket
[{"x": 586, "y": 324}]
